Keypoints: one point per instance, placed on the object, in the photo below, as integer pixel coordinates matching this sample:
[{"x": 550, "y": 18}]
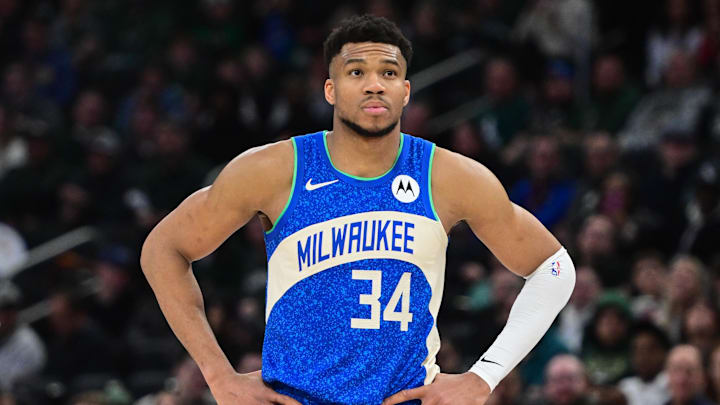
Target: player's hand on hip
[
  {"x": 446, "y": 389},
  {"x": 250, "y": 389}
]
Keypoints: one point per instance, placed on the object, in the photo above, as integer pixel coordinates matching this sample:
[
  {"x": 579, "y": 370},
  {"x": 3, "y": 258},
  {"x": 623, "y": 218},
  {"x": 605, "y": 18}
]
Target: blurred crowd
[{"x": 601, "y": 118}]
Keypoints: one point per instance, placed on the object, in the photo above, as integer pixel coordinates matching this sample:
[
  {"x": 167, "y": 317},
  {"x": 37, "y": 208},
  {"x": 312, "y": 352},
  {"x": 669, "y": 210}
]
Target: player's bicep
[
  {"x": 205, "y": 219},
  {"x": 521, "y": 242},
  {"x": 511, "y": 233},
  {"x": 202, "y": 222}
]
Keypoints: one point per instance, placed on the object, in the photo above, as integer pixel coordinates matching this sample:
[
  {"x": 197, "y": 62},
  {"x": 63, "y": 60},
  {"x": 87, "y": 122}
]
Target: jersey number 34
[{"x": 402, "y": 292}]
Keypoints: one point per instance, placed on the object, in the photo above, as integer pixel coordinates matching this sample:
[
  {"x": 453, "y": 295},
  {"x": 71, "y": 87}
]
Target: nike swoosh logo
[
  {"x": 490, "y": 361},
  {"x": 310, "y": 187}
]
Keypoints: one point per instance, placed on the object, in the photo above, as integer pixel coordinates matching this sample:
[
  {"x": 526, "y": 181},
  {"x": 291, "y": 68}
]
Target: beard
[{"x": 367, "y": 133}]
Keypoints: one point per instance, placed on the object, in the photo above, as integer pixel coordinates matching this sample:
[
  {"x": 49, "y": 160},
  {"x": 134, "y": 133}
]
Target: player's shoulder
[
  {"x": 269, "y": 160},
  {"x": 460, "y": 185},
  {"x": 265, "y": 170},
  {"x": 453, "y": 167},
  {"x": 267, "y": 155}
]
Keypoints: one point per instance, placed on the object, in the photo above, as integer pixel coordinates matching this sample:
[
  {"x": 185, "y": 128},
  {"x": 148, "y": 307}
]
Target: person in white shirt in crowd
[
  {"x": 649, "y": 383},
  {"x": 577, "y": 313},
  {"x": 22, "y": 353}
]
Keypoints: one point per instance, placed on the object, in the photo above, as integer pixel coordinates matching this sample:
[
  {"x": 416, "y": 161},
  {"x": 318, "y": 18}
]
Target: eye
[
  {"x": 355, "y": 72},
  {"x": 390, "y": 73}
]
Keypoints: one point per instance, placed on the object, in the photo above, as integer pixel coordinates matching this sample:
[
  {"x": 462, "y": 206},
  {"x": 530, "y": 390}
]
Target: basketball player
[{"x": 356, "y": 223}]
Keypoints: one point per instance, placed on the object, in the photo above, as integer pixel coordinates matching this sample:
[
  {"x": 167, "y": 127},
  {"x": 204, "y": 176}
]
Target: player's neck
[{"x": 363, "y": 156}]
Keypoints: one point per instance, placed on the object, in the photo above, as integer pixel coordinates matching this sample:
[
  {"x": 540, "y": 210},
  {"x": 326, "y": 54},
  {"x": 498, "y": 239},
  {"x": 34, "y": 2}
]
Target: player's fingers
[
  {"x": 407, "y": 395},
  {"x": 276, "y": 398}
]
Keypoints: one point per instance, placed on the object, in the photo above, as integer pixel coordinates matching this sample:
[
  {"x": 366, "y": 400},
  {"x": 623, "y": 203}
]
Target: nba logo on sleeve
[
  {"x": 405, "y": 188},
  {"x": 555, "y": 268}
]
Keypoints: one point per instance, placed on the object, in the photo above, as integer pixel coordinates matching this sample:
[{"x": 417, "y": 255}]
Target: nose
[{"x": 373, "y": 85}]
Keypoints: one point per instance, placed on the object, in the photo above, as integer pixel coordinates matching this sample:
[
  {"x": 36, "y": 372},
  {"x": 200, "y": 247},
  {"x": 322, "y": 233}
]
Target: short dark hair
[
  {"x": 366, "y": 28},
  {"x": 647, "y": 327}
]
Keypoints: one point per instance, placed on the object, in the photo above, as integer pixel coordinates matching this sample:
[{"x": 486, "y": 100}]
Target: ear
[
  {"x": 330, "y": 91},
  {"x": 406, "y": 99}
]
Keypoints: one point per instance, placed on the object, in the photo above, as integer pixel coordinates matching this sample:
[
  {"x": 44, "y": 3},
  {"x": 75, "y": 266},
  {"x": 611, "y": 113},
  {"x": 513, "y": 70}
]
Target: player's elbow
[
  {"x": 156, "y": 250},
  {"x": 555, "y": 279},
  {"x": 147, "y": 252},
  {"x": 567, "y": 285}
]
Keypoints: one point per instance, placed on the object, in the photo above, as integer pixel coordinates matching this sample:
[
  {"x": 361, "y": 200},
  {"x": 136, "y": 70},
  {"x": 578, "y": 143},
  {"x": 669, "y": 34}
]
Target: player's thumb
[
  {"x": 280, "y": 399},
  {"x": 406, "y": 395}
]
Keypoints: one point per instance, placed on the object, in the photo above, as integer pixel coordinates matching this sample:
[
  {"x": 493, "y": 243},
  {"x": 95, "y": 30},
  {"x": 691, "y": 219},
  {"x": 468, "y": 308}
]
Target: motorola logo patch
[{"x": 405, "y": 188}]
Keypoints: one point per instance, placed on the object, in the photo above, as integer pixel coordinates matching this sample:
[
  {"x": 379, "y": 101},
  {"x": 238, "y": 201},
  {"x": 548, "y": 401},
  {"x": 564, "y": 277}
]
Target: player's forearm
[
  {"x": 180, "y": 299},
  {"x": 545, "y": 293}
]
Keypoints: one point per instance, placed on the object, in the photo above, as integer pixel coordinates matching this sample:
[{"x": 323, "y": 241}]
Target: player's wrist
[
  {"x": 216, "y": 372},
  {"x": 477, "y": 380},
  {"x": 483, "y": 377}
]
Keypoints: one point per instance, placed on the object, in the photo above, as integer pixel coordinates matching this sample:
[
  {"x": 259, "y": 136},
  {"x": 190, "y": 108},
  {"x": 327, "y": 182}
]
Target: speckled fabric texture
[{"x": 312, "y": 350}]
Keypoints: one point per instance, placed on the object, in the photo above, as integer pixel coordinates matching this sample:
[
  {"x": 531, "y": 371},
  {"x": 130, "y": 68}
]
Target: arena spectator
[
  {"x": 606, "y": 345},
  {"x": 613, "y": 96},
  {"x": 114, "y": 302},
  {"x": 75, "y": 23},
  {"x": 51, "y": 66},
  {"x": 186, "y": 387},
  {"x": 709, "y": 48},
  {"x": 701, "y": 328},
  {"x": 557, "y": 109},
  {"x": 714, "y": 374},
  {"x": 686, "y": 377},
  {"x": 648, "y": 383},
  {"x": 89, "y": 117},
  {"x": 677, "y": 32},
  {"x": 32, "y": 109},
  {"x": 547, "y": 193},
  {"x": 649, "y": 274},
  {"x": 566, "y": 382},
  {"x": 558, "y": 28},
  {"x": 597, "y": 247},
  {"x": 216, "y": 28},
  {"x": 506, "y": 111},
  {"x": 13, "y": 251},
  {"x": 93, "y": 191},
  {"x": 30, "y": 191},
  {"x": 687, "y": 284},
  {"x": 183, "y": 63},
  {"x": 599, "y": 157},
  {"x": 13, "y": 148},
  {"x": 703, "y": 217},
  {"x": 22, "y": 353},
  {"x": 77, "y": 347},
  {"x": 574, "y": 318},
  {"x": 173, "y": 173},
  {"x": 676, "y": 106}
]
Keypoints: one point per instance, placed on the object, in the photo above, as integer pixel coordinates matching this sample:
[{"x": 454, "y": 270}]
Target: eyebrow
[
  {"x": 354, "y": 60},
  {"x": 391, "y": 61}
]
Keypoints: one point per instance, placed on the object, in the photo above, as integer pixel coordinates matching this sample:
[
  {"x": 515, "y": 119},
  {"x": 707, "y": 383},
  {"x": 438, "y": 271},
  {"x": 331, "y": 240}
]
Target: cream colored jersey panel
[{"x": 429, "y": 242}]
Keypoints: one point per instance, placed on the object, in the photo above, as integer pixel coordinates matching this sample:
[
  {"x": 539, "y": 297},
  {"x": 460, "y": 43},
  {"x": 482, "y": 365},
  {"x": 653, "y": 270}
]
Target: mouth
[{"x": 374, "y": 108}]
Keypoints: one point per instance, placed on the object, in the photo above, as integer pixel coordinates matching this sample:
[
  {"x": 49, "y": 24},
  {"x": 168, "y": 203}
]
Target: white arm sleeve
[{"x": 545, "y": 293}]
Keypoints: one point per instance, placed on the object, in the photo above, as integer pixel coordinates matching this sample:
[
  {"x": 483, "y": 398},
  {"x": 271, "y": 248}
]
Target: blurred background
[{"x": 601, "y": 117}]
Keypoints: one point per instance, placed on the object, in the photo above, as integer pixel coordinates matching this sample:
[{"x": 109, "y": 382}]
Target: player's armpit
[{"x": 464, "y": 189}]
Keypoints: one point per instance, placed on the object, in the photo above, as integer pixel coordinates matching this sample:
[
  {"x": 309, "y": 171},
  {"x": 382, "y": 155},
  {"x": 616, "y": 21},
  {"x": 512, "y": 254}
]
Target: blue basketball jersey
[{"x": 355, "y": 279}]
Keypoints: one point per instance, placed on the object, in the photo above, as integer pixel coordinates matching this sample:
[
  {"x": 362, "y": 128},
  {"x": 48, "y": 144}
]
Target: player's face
[{"x": 367, "y": 86}]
